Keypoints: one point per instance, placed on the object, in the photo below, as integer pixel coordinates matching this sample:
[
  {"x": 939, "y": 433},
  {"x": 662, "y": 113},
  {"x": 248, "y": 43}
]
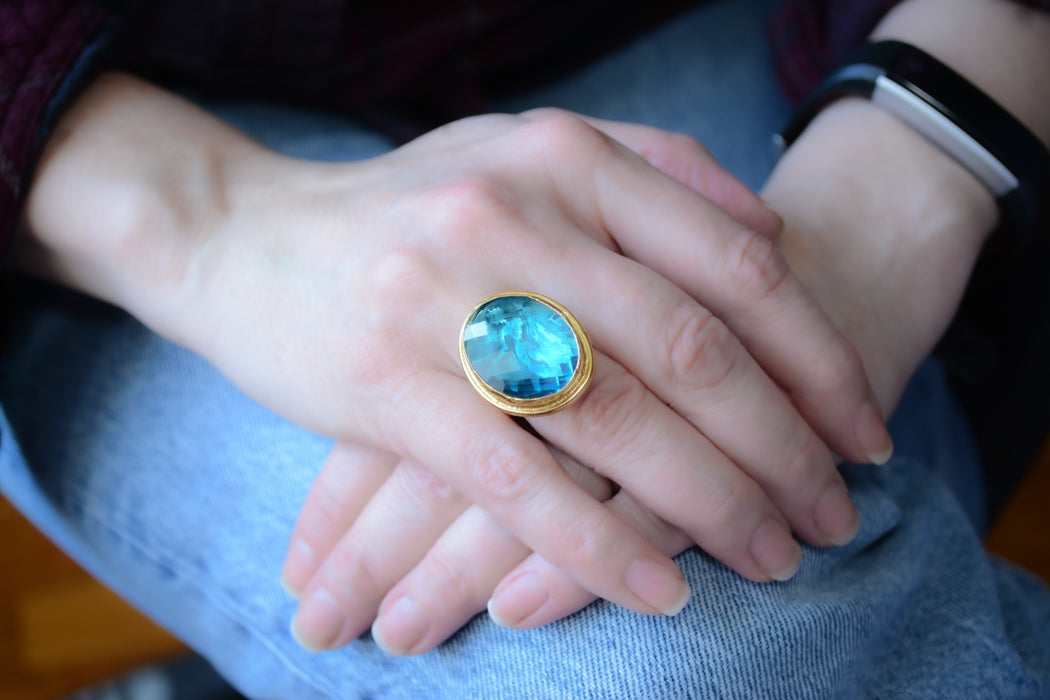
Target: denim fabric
[{"x": 144, "y": 463}]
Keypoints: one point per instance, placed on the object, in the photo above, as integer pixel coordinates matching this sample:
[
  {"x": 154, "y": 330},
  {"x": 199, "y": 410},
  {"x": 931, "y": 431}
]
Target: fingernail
[
  {"x": 836, "y": 516},
  {"x": 401, "y": 626},
  {"x": 775, "y": 550},
  {"x": 872, "y": 437},
  {"x": 297, "y": 567},
  {"x": 662, "y": 588},
  {"x": 319, "y": 622},
  {"x": 776, "y": 223},
  {"x": 517, "y": 600}
]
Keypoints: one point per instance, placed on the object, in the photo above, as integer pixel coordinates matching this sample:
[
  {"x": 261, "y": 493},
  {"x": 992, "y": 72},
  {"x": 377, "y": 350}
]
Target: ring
[{"x": 525, "y": 354}]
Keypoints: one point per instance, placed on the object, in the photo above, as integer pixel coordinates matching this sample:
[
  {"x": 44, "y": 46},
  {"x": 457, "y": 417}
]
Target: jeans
[{"x": 160, "y": 477}]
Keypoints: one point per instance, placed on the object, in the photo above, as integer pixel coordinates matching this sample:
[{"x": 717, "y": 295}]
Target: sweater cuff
[{"x": 51, "y": 49}]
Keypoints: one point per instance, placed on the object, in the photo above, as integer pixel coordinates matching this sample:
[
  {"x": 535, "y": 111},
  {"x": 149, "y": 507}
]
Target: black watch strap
[{"x": 952, "y": 113}]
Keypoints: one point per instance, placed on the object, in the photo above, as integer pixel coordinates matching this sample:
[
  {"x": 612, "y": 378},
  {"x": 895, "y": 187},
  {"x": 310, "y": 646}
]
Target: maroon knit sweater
[{"x": 403, "y": 63}]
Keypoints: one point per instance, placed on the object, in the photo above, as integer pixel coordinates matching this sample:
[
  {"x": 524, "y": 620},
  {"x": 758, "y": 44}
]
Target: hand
[
  {"x": 891, "y": 283},
  {"x": 411, "y": 533},
  {"x": 892, "y": 267},
  {"x": 881, "y": 227},
  {"x": 334, "y": 295},
  {"x": 418, "y": 540}
]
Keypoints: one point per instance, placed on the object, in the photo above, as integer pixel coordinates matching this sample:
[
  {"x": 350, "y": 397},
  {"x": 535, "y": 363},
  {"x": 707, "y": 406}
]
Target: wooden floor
[
  {"x": 60, "y": 631},
  {"x": 1022, "y": 533}
]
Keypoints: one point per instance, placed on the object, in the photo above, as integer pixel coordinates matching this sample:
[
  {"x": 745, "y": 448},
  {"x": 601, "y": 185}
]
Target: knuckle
[
  {"x": 702, "y": 351},
  {"x": 612, "y": 407},
  {"x": 478, "y": 197},
  {"x": 425, "y": 488},
  {"x": 329, "y": 509},
  {"x": 688, "y": 143},
  {"x": 754, "y": 266},
  {"x": 725, "y": 504},
  {"x": 678, "y": 144},
  {"x": 400, "y": 275},
  {"x": 557, "y": 132},
  {"x": 839, "y": 376},
  {"x": 459, "y": 212},
  {"x": 449, "y": 576},
  {"x": 397, "y": 291},
  {"x": 503, "y": 471},
  {"x": 351, "y": 566},
  {"x": 646, "y": 522},
  {"x": 799, "y": 468},
  {"x": 685, "y": 159},
  {"x": 582, "y": 544},
  {"x": 544, "y": 113}
]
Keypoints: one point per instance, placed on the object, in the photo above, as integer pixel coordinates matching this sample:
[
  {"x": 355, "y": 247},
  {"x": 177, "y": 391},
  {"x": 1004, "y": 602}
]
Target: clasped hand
[
  {"x": 718, "y": 381},
  {"x": 334, "y": 294}
]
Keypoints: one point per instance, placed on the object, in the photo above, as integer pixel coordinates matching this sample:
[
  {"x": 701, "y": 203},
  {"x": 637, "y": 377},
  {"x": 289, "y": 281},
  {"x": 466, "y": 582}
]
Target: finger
[
  {"x": 687, "y": 161},
  {"x": 449, "y": 586},
  {"x": 742, "y": 278},
  {"x": 349, "y": 477},
  {"x": 536, "y": 593},
  {"x": 678, "y": 155},
  {"x": 623, "y": 431},
  {"x": 512, "y": 476},
  {"x": 688, "y": 358},
  {"x": 394, "y": 531},
  {"x": 700, "y": 369},
  {"x": 457, "y": 576}
]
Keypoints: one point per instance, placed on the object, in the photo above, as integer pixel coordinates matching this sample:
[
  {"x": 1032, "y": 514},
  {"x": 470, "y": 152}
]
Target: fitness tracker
[{"x": 952, "y": 113}]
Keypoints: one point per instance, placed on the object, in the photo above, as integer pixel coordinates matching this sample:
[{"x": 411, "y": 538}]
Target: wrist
[
  {"x": 875, "y": 215},
  {"x": 132, "y": 182},
  {"x": 883, "y": 226}
]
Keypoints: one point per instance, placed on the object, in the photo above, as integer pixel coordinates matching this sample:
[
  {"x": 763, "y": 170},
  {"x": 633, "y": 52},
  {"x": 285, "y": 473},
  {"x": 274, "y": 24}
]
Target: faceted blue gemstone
[{"x": 521, "y": 347}]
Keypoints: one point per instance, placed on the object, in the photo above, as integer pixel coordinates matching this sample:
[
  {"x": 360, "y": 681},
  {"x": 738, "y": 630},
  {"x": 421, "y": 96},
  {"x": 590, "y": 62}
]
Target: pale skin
[
  {"x": 334, "y": 294},
  {"x": 304, "y": 282},
  {"x": 886, "y": 248},
  {"x": 357, "y": 277}
]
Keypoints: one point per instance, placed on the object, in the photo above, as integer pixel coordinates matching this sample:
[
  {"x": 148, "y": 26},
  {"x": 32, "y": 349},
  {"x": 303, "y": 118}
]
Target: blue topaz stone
[
  {"x": 521, "y": 347},
  {"x": 525, "y": 353}
]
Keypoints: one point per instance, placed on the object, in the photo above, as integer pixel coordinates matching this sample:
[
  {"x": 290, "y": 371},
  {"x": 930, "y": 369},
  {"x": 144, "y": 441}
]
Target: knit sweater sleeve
[
  {"x": 811, "y": 37},
  {"x": 51, "y": 48},
  {"x": 42, "y": 43}
]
